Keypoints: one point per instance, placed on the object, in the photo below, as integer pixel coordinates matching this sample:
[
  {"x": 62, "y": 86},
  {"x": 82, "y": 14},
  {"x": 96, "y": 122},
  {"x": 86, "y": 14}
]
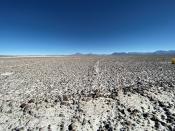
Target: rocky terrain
[{"x": 87, "y": 94}]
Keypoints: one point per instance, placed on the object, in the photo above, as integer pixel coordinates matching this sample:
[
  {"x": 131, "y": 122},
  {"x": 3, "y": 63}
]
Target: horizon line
[{"x": 90, "y": 53}]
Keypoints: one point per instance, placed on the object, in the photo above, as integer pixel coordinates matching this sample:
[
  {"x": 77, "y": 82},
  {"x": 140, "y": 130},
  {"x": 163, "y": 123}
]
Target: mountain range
[{"x": 159, "y": 52}]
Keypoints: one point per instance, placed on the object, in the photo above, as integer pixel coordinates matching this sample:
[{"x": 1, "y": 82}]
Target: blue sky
[{"x": 87, "y": 26}]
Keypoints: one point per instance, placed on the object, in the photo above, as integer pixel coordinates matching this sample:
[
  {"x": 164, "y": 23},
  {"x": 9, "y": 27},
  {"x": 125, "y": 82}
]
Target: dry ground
[{"x": 87, "y": 93}]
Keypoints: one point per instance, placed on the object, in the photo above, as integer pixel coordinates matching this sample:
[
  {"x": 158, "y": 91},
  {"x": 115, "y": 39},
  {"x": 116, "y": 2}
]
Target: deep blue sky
[{"x": 86, "y": 26}]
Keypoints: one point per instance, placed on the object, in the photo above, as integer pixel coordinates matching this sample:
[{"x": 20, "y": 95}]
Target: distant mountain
[
  {"x": 77, "y": 54},
  {"x": 89, "y": 54},
  {"x": 159, "y": 52},
  {"x": 7, "y": 56},
  {"x": 119, "y": 53}
]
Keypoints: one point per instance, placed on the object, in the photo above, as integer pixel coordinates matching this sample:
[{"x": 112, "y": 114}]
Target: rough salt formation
[{"x": 87, "y": 94}]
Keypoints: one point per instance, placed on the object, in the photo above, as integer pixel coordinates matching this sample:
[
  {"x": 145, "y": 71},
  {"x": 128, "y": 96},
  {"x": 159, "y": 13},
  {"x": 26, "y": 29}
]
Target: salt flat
[{"x": 87, "y": 93}]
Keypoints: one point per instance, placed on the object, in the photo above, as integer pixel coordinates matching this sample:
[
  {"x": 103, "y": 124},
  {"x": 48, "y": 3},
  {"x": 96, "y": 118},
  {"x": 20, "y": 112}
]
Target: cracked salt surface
[{"x": 87, "y": 94}]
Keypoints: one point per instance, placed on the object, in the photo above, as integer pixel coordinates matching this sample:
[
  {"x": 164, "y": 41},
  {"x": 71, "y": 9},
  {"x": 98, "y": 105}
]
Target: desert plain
[{"x": 87, "y": 93}]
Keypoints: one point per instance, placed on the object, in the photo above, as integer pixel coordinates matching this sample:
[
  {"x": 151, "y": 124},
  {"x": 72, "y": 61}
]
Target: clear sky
[{"x": 87, "y": 26}]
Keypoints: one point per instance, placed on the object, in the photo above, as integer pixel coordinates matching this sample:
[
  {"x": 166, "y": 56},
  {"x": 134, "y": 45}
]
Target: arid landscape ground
[{"x": 94, "y": 93}]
